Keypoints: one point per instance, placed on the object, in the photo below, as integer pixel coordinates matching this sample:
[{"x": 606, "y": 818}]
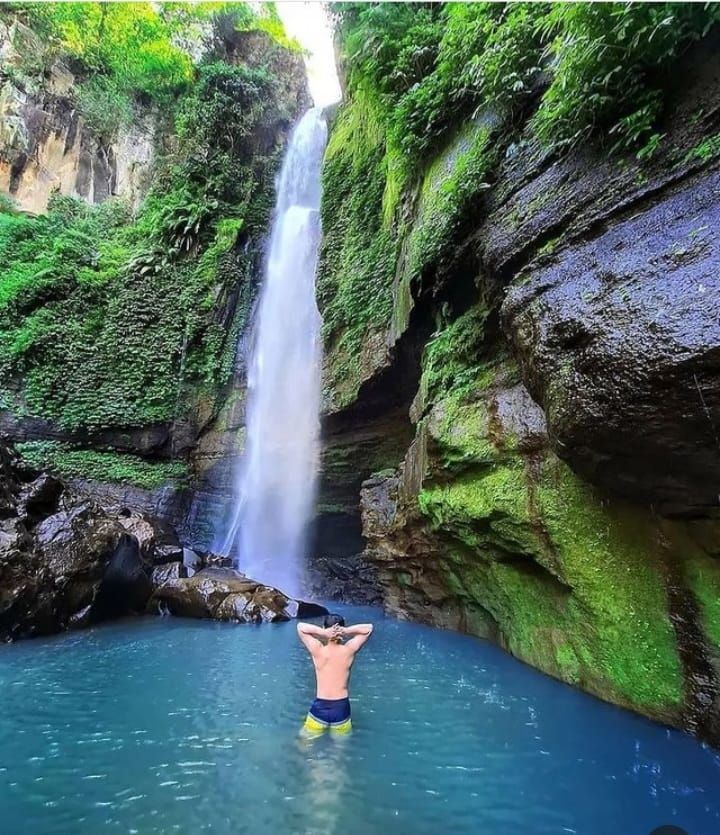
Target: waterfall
[{"x": 275, "y": 479}]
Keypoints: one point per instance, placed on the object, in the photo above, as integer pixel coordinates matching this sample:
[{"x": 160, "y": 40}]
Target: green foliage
[
  {"x": 453, "y": 356},
  {"x": 354, "y": 284},
  {"x": 607, "y": 62},
  {"x": 125, "y": 50},
  {"x": 103, "y": 333},
  {"x": 73, "y": 462},
  {"x": 705, "y": 150},
  {"x": 109, "y": 320},
  {"x": 130, "y": 43},
  {"x": 432, "y": 66},
  {"x": 448, "y": 196},
  {"x": 436, "y": 93},
  {"x": 104, "y": 107}
]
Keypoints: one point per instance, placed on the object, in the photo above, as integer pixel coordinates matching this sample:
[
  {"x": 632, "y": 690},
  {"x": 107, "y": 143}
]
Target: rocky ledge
[
  {"x": 67, "y": 562},
  {"x": 226, "y": 594}
]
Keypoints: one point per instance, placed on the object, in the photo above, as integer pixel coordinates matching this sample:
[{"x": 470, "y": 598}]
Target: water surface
[{"x": 170, "y": 725}]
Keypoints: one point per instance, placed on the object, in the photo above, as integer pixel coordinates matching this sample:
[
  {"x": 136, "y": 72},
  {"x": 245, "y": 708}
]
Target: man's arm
[
  {"x": 311, "y": 635},
  {"x": 358, "y": 635}
]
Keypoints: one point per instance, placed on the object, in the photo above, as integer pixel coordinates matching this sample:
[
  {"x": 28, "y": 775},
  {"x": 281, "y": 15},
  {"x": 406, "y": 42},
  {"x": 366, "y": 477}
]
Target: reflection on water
[{"x": 165, "y": 725}]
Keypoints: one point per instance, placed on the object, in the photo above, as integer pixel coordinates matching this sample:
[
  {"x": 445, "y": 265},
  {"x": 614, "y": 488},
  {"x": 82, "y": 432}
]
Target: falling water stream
[{"x": 275, "y": 481}]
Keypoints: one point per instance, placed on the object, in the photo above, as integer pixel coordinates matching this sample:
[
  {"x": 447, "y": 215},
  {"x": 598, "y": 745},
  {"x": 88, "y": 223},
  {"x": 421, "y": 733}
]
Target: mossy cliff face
[
  {"x": 484, "y": 529},
  {"x": 545, "y": 324},
  {"x": 121, "y": 308}
]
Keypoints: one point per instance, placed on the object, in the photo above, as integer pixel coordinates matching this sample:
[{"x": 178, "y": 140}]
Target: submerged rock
[{"x": 226, "y": 594}]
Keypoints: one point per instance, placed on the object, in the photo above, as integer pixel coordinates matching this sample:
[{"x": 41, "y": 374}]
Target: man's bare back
[{"x": 333, "y": 659}]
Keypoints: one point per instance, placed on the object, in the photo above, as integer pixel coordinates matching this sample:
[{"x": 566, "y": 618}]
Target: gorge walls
[
  {"x": 519, "y": 288},
  {"x": 545, "y": 316}
]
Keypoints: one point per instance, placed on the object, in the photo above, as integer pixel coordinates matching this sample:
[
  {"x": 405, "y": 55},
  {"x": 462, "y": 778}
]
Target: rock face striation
[
  {"x": 44, "y": 144},
  {"x": 559, "y": 491}
]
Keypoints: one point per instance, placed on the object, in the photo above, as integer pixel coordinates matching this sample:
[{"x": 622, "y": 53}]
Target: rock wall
[
  {"x": 64, "y": 561},
  {"x": 46, "y": 147},
  {"x": 560, "y": 493}
]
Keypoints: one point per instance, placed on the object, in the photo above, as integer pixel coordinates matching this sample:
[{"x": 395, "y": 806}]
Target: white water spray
[{"x": 275, "y": 482}]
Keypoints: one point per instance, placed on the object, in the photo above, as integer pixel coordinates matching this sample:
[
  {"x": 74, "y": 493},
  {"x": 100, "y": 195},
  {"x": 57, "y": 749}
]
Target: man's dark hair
[{"x": 333, "y": 620}]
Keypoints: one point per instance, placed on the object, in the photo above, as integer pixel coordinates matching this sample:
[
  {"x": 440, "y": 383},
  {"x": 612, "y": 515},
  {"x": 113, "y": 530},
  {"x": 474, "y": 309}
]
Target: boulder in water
[
  {"x": 76, "y": 567},
  {"x": 226, "y": 594},
  {"x": 159, "y": 543},
  {"x": 65, "y": 562}
]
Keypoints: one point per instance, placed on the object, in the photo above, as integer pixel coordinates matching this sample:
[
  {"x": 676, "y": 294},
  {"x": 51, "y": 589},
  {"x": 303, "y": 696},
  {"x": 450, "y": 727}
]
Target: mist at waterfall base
[
  {"x": 170, "y": 725},
  {"x": 275, "y": 482}
]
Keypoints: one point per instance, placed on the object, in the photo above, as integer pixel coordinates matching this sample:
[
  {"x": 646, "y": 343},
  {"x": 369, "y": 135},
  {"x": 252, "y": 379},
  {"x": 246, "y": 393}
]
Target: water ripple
[{"x": 174, "y": 726}]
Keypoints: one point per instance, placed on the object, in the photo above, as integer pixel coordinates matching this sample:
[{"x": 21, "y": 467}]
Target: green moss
[
  {"x": 454, "y": 356},
  {"x": 448, "y": 195},
  {"x": 610, "y": 560},
  {"x": 111, "y": 320},
  {"x": 72, "y": 462},
  {"x": 461, "y": 433},
  {"x": 459, "y": 377},
  {"x": 568, "y": 662},
  {"x": 575, "y": 586},
  {"x": 486, "y": 509},
  {"x": 357, "y": 261},
  {"x": 702, "y": 574}
]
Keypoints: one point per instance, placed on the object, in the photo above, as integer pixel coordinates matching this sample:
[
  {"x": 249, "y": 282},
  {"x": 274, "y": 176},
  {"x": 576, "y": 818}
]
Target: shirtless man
[{"x": 332, "y": 658}]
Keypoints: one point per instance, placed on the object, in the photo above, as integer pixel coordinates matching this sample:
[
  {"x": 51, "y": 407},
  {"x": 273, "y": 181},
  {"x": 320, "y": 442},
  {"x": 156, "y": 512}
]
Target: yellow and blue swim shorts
[{"x": 328, "y": 714}]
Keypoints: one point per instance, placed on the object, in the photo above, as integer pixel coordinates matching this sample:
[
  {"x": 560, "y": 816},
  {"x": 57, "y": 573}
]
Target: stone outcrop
[
  {"x": 45, "y": 145},
  {"x": 347, "y": 578},
  {"x": 64, "y": 561},
  {"x": 67, "y": 562},
  {"x": 618, "y": 338},
  {"x": 225, "y": 594},
  {"x": 483, "y": 529}
]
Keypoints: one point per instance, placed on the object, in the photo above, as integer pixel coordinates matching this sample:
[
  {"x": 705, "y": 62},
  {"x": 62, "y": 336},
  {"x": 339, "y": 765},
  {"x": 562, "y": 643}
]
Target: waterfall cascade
[{"x": 275, "y": 481}]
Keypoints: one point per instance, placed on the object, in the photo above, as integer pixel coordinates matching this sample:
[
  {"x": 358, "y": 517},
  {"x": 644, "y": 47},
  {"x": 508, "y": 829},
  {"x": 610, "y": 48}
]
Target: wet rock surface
[
  {"x": 559, "y": 493},
  {"x": 619, "y": 340},
  {"x": 170, "y": 571},
  {"x": 483, "y": 529},
  {"x": 346, "y": 579},
  {"x": 64, "y": 562},
  {"x": 226, "y": 594}
]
